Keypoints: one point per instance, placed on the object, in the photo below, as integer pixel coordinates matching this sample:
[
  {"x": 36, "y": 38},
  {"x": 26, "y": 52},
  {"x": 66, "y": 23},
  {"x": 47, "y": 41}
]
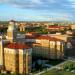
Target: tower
[{"x": 11, "y": 32}]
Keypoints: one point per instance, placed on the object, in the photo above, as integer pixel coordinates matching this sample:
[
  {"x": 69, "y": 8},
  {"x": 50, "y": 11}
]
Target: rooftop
[
  {"x": 17, "y": 46},
  {"x": 43, "y": 37},
  {"x": 57, "y": 27},
  {"x": 48, "y": 38}
]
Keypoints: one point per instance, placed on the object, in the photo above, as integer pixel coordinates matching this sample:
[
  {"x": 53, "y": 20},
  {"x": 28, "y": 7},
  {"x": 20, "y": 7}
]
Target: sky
[{"x": 37, "y": 10}]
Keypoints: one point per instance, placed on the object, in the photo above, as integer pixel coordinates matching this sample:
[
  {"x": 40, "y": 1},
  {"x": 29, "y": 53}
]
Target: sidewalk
[{"x": 51, "y": 68}]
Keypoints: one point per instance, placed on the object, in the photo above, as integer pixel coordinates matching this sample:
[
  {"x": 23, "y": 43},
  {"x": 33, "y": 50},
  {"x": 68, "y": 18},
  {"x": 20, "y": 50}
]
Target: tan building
[
  {"x": 22, "y": 27},
  {"x": 15, "y": 56},
  {"x": 11, "y": 32},
  {"x": 18, "y": 58},
  {"x": 48, "y": 47},
  {"x": 64, "y": 37},
  {"x": 2, "y": 43},
  {"x": 73, "y": 27},
  {"x": 1, "y": 52}
]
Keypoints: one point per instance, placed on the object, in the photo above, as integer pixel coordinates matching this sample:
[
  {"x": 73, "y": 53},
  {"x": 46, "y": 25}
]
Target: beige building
[
  {"x": 73, "y": 27},
  {"x": 17, "y": 58},
  {"x": 48, "y": 47},
  {"x": 11, "y": 32},
  {"x": 64, "y": 37},
  {"x": 22, "y": 27},
  {"x": 1, "y": 52},
  {"x": 2, "y": 43}
]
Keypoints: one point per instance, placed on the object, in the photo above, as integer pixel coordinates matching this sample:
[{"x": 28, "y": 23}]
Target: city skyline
[{"x": 37, "y": 10}]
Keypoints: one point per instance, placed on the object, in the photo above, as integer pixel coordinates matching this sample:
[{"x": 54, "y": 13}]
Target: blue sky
[{"x": 37, "y": 10}]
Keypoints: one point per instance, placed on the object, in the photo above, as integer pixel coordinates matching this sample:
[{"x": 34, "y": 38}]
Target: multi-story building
[
  {"x": 47, "y": 47},
  {"x": 2, "y": 43},
  {"x": 17, "y": 58}
]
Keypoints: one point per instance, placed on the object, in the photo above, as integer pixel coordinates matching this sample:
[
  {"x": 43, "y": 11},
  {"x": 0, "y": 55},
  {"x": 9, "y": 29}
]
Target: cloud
[
  {"x": 57, "y": 9},
  {"x": 30, "y": 3},
  {"x": 40, "y": 4},
  {"x": 71, "y": 3}
]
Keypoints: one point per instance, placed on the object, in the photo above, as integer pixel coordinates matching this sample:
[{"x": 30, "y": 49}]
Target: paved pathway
[{"x": 52, "y": 67}]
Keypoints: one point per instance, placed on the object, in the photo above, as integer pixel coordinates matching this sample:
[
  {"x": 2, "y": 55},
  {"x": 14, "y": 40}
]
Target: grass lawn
[
  {"x": 61, "y": 72},
  {"x": 55, "y": 72}
]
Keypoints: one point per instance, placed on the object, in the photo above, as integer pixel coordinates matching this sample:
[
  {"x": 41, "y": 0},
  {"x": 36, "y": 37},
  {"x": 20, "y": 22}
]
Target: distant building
[
  {"x": 61, "y": 37},
  {"x": 73, "y": 27},
  {"x": 57, "y": 28},
  {"x": 53, "y": 28},
  {"x": 22, "y": 27}
]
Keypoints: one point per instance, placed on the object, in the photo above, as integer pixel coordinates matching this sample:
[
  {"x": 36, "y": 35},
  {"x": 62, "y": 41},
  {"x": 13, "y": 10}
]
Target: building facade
[
  {"x": 11, "y": 32},
  {"x": 15, "y": 56},
  {"x": 48, "y": 47},
  {"x": 18, "y": 58}
]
